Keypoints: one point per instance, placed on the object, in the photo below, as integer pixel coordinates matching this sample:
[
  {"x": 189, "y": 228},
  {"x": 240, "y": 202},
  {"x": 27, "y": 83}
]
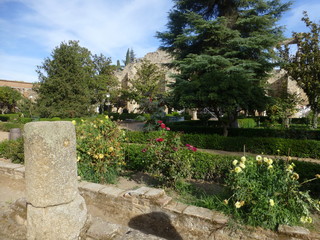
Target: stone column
[{"x": 55, "y": 208}]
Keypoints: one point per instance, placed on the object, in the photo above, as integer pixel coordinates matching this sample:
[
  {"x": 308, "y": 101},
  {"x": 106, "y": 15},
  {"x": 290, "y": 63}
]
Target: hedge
[
  {"x": 292, "y": 147},
  {"x": 248, "y": 132}
]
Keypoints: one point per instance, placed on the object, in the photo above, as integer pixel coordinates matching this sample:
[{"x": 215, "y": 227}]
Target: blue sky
[{"x": 31, "y": 29}]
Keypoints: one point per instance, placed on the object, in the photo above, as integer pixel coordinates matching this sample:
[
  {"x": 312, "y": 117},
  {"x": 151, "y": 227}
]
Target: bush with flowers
[
  {"x": 100, "y": 155},
  {"x": 266, "y": 192},
  {"x": 171, "y": 161}
]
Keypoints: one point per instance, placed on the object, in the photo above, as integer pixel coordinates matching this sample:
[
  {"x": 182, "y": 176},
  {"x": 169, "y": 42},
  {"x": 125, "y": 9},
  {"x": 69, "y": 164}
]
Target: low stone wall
[{"x": 151, "y": 211}]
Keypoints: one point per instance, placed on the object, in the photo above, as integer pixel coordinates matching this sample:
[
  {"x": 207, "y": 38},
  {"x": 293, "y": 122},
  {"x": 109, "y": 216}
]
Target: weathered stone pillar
[{"x": 55, "y": 208}]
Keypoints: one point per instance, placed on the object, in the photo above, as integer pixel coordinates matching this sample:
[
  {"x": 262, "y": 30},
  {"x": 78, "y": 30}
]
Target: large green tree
[
  {"x": 304, "y": 65},
  {"x": 73, "y": 81},
  {"x": 223, "y": 51},
  {"x": 9, "y": 98},
  {"x": 148, "y": 83}
]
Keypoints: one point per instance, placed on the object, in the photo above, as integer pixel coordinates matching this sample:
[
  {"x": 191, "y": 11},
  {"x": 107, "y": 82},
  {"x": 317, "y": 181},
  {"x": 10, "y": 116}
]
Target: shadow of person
[{"x": 155, "y": 223}]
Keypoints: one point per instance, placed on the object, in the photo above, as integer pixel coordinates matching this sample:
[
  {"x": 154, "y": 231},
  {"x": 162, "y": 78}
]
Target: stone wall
[{"x": 151, "y": 211}]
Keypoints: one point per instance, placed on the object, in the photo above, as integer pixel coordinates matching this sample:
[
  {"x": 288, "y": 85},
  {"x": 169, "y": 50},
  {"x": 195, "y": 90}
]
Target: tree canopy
[
  {"x": 304, "y": 65},
  {"x": 8, "y": 99},
  {"x": 148, "y": 83},
  {"x": 73, "y": 81},
  {"x": 223, "y": 51}
]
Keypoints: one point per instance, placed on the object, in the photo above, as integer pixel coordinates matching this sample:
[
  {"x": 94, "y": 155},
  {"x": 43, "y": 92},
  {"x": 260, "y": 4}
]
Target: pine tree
[
  {"x": 223, "y": 51},
  {"x": 132, "y": 56},
  {"x": 72, "y": 81}
]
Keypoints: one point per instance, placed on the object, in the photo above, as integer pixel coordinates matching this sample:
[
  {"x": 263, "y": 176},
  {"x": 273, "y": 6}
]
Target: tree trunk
[
  {"x": 315, "y": 118},
  {"x": 225, "y": 130}
]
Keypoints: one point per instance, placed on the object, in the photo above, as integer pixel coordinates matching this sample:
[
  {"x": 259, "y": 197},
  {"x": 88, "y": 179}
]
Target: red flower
[
  {"x": 167, "y": 128},
  {"x": 162, "y": 125},
  {"x": 194, "y": 149},
  {"x": 188, "y": 145},
  {"x": 159, "y": 121},
  {"x": 159, "y": 139},
  {"x": 144, "y": 150}
]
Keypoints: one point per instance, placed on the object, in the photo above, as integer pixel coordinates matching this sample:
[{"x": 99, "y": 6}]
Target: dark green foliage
[
  {"x": 292, "y": 147},
  {"x": 72, "y": 81},
  {"x": 9, "y": 98},
  {"x": 193, "y": 127},
  {"x": 223, "y": 51},
  {"x": 12, "y": 149},
  {"x": 308, "y": 170}
]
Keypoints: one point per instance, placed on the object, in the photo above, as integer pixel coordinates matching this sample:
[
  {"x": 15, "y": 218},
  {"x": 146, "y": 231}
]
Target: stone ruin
[{"x": 55, "y": 208}]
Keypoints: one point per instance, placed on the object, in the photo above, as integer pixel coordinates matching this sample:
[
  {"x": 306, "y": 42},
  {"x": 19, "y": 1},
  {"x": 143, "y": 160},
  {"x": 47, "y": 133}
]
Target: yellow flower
[
  {"x": 270, "y": 161},
  {"x": 317, "y": 176},
  {"x": 74, "y": 122},
  {"x": 265, "y": 159},
  {"x": 271, "y": 202},
  {"x": 106, "y": 117},
  {"x": 237, "y": 204},
  {"x": 241, "y": 203},
  {"x": 101, "y": 155},
  {"x": 290, "y": 167},
  {"x": 295, "y": 176},
  {"x": 242, "y": 165},
  {"x": 82, "y": 120},
  {"x": 78, "y": 158},
  {"x": 225, "y": 202},
  {"x": 243, "y": 159},
  {"x": 305, "y": 219},
  {"x": 110, "y": 149},
  {"x": 258, "y": 158},
  {"x": 235, "y": 162},
  {"x": 95, "y": 156},
  {"x": 270, "y": 167},
  {"x": 101, "y": 121},
  {"x": 238, "y": 169}
]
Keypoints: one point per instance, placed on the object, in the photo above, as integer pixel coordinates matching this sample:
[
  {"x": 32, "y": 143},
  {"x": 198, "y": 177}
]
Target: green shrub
[
  {"x": 265, "y": 193},
  {"x": 6, "y": 126},
  {"x": 13, "y": 150},
  {"x": 4, "y": 118},
  {"x": 247, "y": 123},
  {"x": 100, "y": 155}
]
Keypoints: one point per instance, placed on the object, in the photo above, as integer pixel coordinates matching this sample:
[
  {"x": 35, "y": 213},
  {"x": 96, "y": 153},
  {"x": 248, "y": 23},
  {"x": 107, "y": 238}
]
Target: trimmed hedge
[
  {"x": 248, "y": 132},
  {"x": 292, "y": 147}
]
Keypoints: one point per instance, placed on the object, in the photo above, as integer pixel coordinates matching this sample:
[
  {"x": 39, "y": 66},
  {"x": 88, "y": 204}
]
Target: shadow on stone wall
[{"x": 155, "y": 223}]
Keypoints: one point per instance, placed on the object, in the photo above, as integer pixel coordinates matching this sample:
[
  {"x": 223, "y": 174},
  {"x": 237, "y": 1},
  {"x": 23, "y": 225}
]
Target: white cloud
[{"x": 101, "y": 26}]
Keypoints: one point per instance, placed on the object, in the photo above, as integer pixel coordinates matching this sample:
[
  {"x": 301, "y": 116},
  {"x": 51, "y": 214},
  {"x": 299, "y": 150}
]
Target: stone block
[
  {"x": 199, "y": 212},
  {"x": 111, "y": 191},
  {"x": 100, "y": 230},
  {"x": 295, "y": 231},
  {"x": 57, "y": 222},
  {"x": 50, "y": 162},
  {"x": 154, "y": 193},
  {"x": 176, "y": 207}
]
